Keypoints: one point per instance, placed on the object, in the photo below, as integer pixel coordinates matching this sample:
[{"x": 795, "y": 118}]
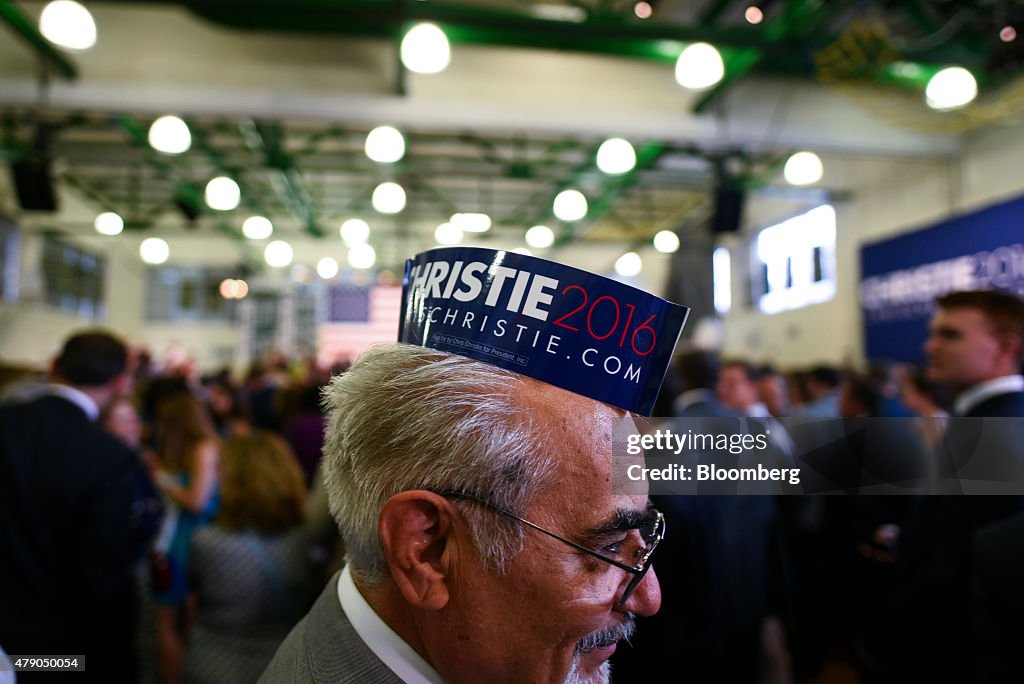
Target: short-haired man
[
  {"x": 737, "y": 389},
  {"x": 65, "y": 504},
  {"x": 976, "y": 346},
  {"x": 483, "y": 543}
]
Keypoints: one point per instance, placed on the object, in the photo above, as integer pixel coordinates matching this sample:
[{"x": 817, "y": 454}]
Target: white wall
[{"x": 888, "y": 198}]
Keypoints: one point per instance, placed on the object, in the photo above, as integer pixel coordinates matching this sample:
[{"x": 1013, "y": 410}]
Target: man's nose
[{"x": 646, "y": 598}]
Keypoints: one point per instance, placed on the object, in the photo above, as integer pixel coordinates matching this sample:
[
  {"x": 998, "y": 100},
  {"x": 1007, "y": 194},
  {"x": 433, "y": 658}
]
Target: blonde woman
[
  {"x": 249, "y": 570},
  {"x": 188, "y": 454}
]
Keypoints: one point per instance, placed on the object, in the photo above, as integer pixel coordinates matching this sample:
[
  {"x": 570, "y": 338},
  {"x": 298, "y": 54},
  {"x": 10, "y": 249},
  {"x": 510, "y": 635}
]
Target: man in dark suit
[
  {"x": 483, "y": 541},
  {"x": 975, "y": 346},
  {"x": 65, "y": 503}
]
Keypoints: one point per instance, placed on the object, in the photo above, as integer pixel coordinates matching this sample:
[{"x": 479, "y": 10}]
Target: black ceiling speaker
[
  {"x": 34, "y": 185},
  {"x": 727, "y": 214},
  {"x": 728, "y": 211},
  {"x": 32, "y": 180}
]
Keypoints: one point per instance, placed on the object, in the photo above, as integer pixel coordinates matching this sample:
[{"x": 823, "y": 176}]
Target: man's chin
[{"x": 589, "y": 668}]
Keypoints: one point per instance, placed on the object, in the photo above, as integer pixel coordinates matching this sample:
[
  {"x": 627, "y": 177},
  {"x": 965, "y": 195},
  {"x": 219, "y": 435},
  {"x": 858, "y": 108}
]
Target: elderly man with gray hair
[
  {"x": 483, "y": 543},
  {"x": 470, "y": 471}
]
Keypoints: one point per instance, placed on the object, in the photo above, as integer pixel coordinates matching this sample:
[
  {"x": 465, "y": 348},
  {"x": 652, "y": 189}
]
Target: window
[
  {"x": 722, "y": 277},
  {"x": 794, "y": 262},
  {"x": 180, "y": 294},
  {"x": 10, "y": 261},
  {"x": 73, "y": 278}
]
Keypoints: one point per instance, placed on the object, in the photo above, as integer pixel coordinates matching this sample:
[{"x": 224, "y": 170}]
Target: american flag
[{"x": 358, "y": 317}]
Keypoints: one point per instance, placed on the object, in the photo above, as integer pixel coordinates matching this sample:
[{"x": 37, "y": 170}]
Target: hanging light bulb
[
  {"x": 108, "y": 223},
  {"x": 699, "y": 66},
  {"x": 278, "y": 254},
  {"x": 425, "y": 49},
  {"x": 154, "y": 251},
  {"x": 951, "y": 88},
  {"x": 327, "y": 268},
  {"x": 68, "y": 24},
  {"x": 170, "y": 135},
  {"x": 629, "y": 264},
  {"x": 570, "y": 205},
  {"x": 616, "y": 156},
  {"x": 385, "y": 144},
  {"x": 666, "y": 242},
  {"x": 222, "y": 194},
  {"x": 448, "y": 234},
  {"x": 540, "y": 237},
  {"x": 354, "y": 231},
  {"x": 388, "y": 198},
  {"x": 361, "y": 256},
  {"x": 257, "y": 228},
  {"x": 803, "y": 168}
]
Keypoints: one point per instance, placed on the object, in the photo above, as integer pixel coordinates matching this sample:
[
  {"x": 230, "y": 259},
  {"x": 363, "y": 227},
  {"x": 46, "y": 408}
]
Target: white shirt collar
[
  {"x": 985, "y": 390},
  {"x": 37, "y": 390},
  {"x": 400, "y": 657}
]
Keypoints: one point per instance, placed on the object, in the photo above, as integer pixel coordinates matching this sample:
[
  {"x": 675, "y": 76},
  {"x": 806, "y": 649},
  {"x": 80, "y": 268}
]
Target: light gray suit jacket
[{"x": 324, "y": 648}]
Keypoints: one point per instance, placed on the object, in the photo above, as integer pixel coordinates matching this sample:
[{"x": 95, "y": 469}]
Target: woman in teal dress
[{"x": 188, "y": 451}]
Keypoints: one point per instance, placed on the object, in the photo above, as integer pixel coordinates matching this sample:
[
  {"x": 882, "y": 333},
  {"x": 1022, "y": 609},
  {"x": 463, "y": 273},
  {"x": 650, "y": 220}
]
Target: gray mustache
[{"x": 606, "y": 637}]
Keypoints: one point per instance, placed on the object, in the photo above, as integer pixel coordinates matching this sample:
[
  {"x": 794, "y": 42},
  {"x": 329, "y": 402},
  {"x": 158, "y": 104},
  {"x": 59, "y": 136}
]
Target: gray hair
[{"x": 405, "y": 418}]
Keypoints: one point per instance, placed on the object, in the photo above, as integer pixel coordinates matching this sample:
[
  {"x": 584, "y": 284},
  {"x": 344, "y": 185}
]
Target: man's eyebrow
[{"x": 621, "y": 520}]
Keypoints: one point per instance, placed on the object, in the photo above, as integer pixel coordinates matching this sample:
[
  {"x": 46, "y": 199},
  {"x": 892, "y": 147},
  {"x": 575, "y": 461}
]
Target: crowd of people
[
  {"x": 179, "y": 504},
  {"x": 177, "y": 528}
]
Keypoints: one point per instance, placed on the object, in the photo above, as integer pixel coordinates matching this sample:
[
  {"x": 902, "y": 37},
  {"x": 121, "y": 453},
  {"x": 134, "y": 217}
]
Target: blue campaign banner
[
  {"x": 901, "y": 277},
  {"x": 579, "y": 331}
]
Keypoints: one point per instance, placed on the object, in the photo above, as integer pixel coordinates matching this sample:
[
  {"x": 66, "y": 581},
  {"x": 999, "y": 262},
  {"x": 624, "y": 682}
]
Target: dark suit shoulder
[{"x": 1007, "y": 405}]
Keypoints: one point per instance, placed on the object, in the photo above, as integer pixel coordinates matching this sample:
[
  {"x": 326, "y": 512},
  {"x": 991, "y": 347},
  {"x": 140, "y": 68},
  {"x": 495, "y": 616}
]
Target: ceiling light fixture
[
  {"x": 699, "y": 66},
  {"x": 108, "y": 223},
  {"x": 629, "y": 264},
  {"x": 472, "y": 222},
  {"x": 425, "y": 49},
  {"x": 385, "y": 144},
  {"x": 616, "y": 156},
  {"x": 222, "y": 194},
  {"x": 327, "y": 268},
  {"x": 154, "y": 251},
  {"x": 361, "y": 256},
  {"x": 803, "y": 168},
  {"x": 448, "y": 234},
  {"x": 666, "y": 241},
  {"x": 170, "y": 135},
  {"x": 950, "y": 88},
  {"x": 257, "y": 228},
  {"x": 68, "y": 24},
  {"x": 569, "y": 205},
  {"x": 278, "y": 254},
  {"x": 540, "y": 237},
  {"x": 643, "y": 10},
  {"x": 388, "y": 198},
  {"x": 355, "y": 231}
]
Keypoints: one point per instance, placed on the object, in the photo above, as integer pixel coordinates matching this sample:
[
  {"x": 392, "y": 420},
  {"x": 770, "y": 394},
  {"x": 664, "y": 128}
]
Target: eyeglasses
[{"x": 651, "y": 529}]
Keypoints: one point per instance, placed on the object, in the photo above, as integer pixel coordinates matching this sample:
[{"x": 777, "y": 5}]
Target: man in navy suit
[
  {"x": 976, "y": 345},
  {"x": 65, "y": 505}
]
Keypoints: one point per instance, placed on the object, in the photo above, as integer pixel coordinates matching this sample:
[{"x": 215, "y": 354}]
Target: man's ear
[{"x": 415, "y": 529}]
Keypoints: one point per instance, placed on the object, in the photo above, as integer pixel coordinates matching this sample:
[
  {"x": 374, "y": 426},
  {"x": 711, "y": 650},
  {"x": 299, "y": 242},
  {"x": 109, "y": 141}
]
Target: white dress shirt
[{"x": 400, "y": 657}]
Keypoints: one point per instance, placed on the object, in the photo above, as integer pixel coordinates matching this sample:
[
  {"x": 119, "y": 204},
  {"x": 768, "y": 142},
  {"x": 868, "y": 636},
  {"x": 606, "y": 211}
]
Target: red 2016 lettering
[
  {"x": 562, "y": 321},
  {"x": 654, "y": 337},
  {"x": 590, "y": 313},
  {"x": 578, "y": 308}
]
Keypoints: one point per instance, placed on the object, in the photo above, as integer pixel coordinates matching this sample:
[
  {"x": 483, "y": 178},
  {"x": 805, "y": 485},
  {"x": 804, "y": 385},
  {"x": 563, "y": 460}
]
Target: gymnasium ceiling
[{"x": 281, "y": 94}]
